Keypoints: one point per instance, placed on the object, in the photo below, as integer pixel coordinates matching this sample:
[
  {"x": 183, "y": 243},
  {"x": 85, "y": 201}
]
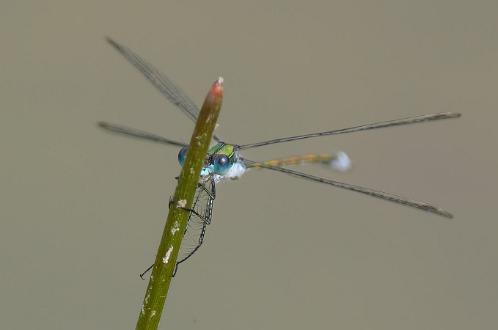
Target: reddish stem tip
[{"x": 217, "y": 87}]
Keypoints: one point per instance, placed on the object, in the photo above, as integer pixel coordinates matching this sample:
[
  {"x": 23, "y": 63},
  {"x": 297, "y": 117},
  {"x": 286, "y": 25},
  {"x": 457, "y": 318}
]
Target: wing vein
[
  {"x": 160, "y": 81},
  {"x": 363, "y": 190},
  {"x": 382, "y": 124}
]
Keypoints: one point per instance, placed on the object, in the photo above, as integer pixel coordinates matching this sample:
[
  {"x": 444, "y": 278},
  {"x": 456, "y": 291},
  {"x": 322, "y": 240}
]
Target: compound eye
[
  {"x": 221, "y": 164},
  {"x": 182, "y": 154}
]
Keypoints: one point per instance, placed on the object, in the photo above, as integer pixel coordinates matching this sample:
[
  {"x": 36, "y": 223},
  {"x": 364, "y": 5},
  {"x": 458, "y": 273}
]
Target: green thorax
[{"x": 223, "y": 149}]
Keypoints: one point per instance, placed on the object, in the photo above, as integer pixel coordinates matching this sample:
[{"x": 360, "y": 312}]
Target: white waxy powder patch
[
  {"x": 175, "y": 228},
  {"x": 168, "y": 254},
  {"x": 236, "y": 171}
]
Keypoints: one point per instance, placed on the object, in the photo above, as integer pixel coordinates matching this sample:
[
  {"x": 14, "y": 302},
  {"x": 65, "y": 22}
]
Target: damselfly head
[{"x": 222, "y": 161}]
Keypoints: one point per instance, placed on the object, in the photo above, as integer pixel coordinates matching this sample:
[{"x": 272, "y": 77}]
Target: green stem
[{"x": 160, "y": 279}]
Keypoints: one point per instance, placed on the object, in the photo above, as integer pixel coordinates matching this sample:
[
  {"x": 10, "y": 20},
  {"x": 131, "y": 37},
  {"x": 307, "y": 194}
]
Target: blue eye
[
  {"x": 182, "y": 154},
  {"x": 221, "y": 164}
]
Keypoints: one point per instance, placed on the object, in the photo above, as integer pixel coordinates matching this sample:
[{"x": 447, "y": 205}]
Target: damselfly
[{"x": 224, "y": 160}]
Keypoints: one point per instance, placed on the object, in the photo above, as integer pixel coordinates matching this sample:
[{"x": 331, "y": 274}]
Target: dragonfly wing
[
  {"x": 363, "y": 190},
  {"x": 160, "y": 81},
  {"x": 199, "y": 218},
  {"x": 366, "y": 127},
  {"x": 138, "y": 134}
]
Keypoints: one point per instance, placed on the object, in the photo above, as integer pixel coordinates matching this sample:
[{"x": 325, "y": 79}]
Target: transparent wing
[
  {"x": 135, "y": 133},
  {"x": 200, "y": 217},
  {"x": 162, "y": 83},
  {"x": 389, "y": 123},
  {"x": 363, "y": 190}
]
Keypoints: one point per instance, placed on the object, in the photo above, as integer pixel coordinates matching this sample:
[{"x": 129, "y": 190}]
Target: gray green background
[{"x": 82, "y": 211}]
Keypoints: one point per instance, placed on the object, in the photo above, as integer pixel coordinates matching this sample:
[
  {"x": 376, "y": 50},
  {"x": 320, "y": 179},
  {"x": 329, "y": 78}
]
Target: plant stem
[{"x": 176, "y": 223}]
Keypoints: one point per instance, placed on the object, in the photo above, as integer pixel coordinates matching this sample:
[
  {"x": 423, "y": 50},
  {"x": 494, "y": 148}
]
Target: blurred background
[{"x": 83, "y": 210}]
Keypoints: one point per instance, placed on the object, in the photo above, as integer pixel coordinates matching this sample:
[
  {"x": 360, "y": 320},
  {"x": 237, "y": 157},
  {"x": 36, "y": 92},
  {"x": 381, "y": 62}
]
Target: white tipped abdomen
[{"x": 341, "y": 162}]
